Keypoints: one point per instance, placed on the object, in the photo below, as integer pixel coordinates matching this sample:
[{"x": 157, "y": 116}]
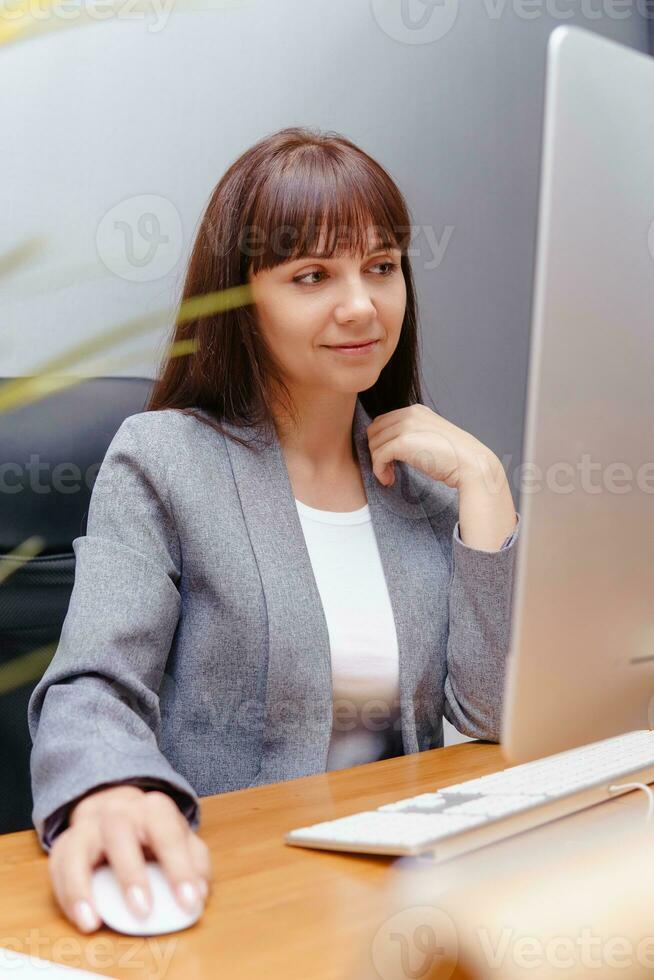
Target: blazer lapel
[
  {"x": 298, "y": 710},
  {"x": 297, "y": 715},
  {"x": 413, "y": 567}
]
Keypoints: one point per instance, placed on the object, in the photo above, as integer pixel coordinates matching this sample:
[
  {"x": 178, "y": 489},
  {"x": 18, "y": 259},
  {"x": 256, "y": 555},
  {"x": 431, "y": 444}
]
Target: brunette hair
[{"x": 295, "y": 184}]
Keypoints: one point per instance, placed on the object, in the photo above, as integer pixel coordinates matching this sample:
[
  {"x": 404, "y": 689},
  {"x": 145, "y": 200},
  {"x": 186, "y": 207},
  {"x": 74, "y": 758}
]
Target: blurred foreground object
[{"x": 569, "y": 899}]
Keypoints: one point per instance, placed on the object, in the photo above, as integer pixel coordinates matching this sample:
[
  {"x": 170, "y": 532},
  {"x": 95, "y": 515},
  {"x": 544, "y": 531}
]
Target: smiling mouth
[{"x": 359, "y": 346}]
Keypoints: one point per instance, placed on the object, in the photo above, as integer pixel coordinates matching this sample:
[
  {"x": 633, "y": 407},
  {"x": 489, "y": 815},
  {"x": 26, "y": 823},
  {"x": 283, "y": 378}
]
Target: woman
[{"x": 291, "y": 564}]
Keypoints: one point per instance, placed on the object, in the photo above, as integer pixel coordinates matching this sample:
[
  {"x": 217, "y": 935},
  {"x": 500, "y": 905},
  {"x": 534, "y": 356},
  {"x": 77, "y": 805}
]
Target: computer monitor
[{"x": 581, "y": 659}]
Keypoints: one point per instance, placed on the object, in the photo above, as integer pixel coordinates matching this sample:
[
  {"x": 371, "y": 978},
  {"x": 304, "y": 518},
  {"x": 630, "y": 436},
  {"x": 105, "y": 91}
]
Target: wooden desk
[{"x": 275, "y": 910}]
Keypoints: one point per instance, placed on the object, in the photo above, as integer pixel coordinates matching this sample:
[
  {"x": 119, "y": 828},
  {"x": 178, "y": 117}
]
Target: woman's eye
[
  {"x": 390, "y": 266},
  {"x": 301, "y": 279}
]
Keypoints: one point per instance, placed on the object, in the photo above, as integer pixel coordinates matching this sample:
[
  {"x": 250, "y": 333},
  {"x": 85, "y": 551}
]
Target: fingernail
[
  {"x": 204, "y": 887},
  {"x": 189, "y": 895},
  {"x": 139, "y": 899},
  {"x": 85, "y": 916}
]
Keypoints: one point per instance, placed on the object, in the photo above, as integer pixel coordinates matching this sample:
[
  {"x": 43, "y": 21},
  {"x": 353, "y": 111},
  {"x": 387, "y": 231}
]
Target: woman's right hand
[{"x": 127, "y": 826}]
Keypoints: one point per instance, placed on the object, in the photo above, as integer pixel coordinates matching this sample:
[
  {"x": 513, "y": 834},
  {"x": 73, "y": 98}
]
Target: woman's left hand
[{"x": 418, "y": 436}]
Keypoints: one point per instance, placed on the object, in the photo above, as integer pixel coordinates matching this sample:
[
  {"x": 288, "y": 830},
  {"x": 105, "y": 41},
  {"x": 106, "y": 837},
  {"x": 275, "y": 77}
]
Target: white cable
[{"x": 647, "y": 789}]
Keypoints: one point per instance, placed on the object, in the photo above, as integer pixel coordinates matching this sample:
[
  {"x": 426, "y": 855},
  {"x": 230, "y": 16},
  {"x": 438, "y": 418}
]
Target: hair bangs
[{"x": 319, "y": 205}]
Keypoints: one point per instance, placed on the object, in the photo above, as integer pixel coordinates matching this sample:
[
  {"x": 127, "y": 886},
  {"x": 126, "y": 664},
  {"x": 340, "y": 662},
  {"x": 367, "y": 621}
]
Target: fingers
[
  {"x": 72, "y": 857},
  {"x": 201, "y": 857},
  {"x": 383, "y": 465},
  {"x": 122, "y": 847},
  {"x": 169, "y": 837}
]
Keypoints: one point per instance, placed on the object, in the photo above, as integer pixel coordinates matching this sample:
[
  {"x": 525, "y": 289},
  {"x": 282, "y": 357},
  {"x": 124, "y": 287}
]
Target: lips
[{"x": 363, "y": 343}]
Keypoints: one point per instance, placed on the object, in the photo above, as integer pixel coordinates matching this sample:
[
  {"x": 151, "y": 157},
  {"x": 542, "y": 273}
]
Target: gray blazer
[{"x": 195, "y": 652}]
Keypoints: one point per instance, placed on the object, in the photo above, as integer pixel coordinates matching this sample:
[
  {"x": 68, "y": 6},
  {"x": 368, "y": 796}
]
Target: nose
[{"x": 355, "y": 303}]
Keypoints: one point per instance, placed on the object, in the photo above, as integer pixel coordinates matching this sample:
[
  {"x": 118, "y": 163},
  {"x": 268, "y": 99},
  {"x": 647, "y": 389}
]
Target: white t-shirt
[{"x": 363, "y": 643}]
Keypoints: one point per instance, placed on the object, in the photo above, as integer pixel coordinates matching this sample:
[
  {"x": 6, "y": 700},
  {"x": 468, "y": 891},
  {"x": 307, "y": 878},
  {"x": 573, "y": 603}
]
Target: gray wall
[{"x": 141, "y": 114}]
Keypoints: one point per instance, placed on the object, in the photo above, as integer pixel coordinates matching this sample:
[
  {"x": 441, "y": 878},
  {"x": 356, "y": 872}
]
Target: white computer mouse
[{"x": 165, "y": 916}]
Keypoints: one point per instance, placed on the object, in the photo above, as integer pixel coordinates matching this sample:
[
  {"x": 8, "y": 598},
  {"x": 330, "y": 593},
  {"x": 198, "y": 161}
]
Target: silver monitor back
[{"x": 581, "y": 663}]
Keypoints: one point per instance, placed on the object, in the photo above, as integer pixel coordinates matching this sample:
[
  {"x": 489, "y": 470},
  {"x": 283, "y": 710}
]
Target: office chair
[{"x": 50, "y": 453}]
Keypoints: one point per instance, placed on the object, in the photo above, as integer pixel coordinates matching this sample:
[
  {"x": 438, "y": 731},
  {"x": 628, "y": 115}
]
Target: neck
[{"x": 323, "y": 439}]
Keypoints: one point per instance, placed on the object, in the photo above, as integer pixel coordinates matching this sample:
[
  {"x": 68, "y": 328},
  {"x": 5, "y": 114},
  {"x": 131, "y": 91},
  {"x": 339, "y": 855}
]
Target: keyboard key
[
  {"x": 425, "y": 803},
  {"x": 495, "y": 806}
]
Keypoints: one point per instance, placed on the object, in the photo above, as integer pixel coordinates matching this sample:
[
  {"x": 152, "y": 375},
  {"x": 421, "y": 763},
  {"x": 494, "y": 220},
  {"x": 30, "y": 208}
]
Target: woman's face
[{"x": 308, "y": 306}]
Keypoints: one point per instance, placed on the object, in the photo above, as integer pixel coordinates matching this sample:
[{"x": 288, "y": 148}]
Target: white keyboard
[{"x": 468, "y": 815}]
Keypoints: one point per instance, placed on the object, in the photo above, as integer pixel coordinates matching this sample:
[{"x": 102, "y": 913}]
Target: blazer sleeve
[
  {"x": 480, "y": 609},
  {"x": 94, "y": 716}
]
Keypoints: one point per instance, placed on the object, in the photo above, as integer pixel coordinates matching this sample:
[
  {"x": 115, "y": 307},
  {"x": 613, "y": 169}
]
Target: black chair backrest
[{"x": 50, "y": 454}]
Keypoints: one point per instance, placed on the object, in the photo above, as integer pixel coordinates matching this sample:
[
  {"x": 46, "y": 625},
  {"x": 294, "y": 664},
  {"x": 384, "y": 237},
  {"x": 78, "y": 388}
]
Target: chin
[{"x": 353, "y": 385}]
